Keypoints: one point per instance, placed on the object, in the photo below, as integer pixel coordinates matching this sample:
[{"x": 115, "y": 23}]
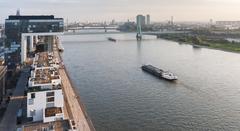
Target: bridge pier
[{"x": 139, "y": 36}]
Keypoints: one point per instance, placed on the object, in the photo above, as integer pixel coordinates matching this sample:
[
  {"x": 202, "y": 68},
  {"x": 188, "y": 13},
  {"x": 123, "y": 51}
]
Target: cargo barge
[
  {"x": 112, "y": 39},
  {"x": 159, "y": 73}
]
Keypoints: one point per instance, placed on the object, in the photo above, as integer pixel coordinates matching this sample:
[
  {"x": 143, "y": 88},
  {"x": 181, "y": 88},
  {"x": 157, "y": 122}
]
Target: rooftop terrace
[
  {"x": 43, "y": 59},
  {"x": 45, "y": 70},
  {"x": 52, "y": 111},
  {"x": 45, "y": 76},
  {"x": 62, "y": 125}
]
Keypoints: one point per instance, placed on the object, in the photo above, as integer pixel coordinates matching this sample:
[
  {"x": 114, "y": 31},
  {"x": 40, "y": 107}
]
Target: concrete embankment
[{"x": 75, "y": 108}]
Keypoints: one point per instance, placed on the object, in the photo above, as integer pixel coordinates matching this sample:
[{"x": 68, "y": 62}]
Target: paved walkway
[
  {"x": 8, "y": 122},
  {"x": 77, "y": 113},
  {"x": 76, "y": 110}
]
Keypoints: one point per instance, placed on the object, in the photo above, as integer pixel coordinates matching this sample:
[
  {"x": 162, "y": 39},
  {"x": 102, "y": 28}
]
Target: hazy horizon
[{"x": 121, "y": 10}]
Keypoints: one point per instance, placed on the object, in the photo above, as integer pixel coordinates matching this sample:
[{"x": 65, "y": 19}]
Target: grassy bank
[{"x": 204, "y": 41}]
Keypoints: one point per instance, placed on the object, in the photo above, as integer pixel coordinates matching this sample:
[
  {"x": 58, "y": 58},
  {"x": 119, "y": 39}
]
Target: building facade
[
  {"x": 1, "y": 31},
  {"x": 233, "y": 23},
  {"x": 228, "y": 24},
  {"x": 44, "y": 94},
  {"x": 148, "y": 22},
  {"x": 3, "y": 71},
  {"x": 16, "y": 25},
  {"x": 45, "y": 104}
]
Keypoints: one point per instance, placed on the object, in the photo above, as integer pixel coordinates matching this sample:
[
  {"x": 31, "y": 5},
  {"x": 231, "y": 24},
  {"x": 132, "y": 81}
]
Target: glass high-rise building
[
  {"x": 148, "y": 20},
  {"x": 15, "y": 25}
]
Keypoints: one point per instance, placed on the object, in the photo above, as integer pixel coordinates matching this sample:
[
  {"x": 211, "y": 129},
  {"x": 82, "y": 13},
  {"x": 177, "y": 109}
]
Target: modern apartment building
[
  {"x": 15, "y": 25},
  {"x": 44, "y": 94}
]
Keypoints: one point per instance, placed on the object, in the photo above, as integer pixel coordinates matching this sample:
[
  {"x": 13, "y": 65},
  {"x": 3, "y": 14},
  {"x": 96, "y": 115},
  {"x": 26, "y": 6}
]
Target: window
[
  {"x": 49, "y": 105},
  {"x": 32, "y": 112},
  {"x": 30, "y": 101},
  {"x": 33, "y": 95},
  {"x": 50, "y": 94},
  {"x": 50, "y": 99}
]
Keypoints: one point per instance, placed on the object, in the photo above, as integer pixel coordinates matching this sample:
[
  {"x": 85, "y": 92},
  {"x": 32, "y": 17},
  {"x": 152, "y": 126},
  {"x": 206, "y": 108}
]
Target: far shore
[{"x": 223, "y": 46}]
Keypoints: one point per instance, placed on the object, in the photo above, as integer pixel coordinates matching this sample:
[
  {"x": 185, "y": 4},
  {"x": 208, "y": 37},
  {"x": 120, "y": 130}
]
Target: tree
[{"x": 196, "y": 40}]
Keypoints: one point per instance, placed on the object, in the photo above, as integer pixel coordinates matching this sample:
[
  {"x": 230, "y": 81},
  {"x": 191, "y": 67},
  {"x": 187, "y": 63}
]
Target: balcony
[{"x": 44, "y": 88}]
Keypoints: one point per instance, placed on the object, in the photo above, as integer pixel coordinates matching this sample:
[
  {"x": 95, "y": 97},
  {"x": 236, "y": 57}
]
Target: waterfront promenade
[{"x": 75, "y": 108}]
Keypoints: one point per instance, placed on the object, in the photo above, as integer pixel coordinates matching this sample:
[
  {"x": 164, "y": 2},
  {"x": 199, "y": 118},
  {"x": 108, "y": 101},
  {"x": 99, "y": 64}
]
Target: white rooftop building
[
  {"x": 45, "y": 96},
  {"x": 45, "y": 103}
]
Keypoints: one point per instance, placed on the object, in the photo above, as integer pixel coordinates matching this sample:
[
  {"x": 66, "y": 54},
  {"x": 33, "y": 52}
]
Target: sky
[{"x": 122, "y": 10}]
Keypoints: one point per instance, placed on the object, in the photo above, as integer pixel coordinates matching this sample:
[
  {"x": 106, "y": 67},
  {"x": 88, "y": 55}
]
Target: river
[{"x": 119, "y": 96}]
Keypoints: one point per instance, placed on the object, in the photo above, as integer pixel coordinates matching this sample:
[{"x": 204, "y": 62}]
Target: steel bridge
[
  {"x": 80, "y": 28},
  {"x": 157, "y": 33}
]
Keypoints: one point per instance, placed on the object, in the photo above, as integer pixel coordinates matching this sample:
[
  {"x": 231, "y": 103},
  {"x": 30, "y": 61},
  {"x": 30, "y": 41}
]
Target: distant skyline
[{"x": 121, "y": 10}]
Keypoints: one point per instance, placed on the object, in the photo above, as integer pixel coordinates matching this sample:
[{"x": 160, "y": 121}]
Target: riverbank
[
  {"x": 75, "y": 107},
  {"x": 203, "y": 41}
]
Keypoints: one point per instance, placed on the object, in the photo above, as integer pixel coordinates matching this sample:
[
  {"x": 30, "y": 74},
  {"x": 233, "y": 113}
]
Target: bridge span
[
  {"x": 117, "y": 32},
  {"x": 104, "y": 28}
]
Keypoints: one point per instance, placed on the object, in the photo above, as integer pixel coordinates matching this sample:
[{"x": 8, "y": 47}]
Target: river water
[{"x": 119, "y": 96}]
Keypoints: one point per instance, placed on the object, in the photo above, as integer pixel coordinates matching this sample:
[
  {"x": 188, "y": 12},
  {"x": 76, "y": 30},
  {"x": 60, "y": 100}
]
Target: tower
[
  {"x": 140, "y": 22},
  {"x": 148, "y": 19},
  {"x": 211, "y": 21},
  {"x": 18, "y": 12},
  {"x": 171, "y": 20},
  {"x": 140, "y": 19}
]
